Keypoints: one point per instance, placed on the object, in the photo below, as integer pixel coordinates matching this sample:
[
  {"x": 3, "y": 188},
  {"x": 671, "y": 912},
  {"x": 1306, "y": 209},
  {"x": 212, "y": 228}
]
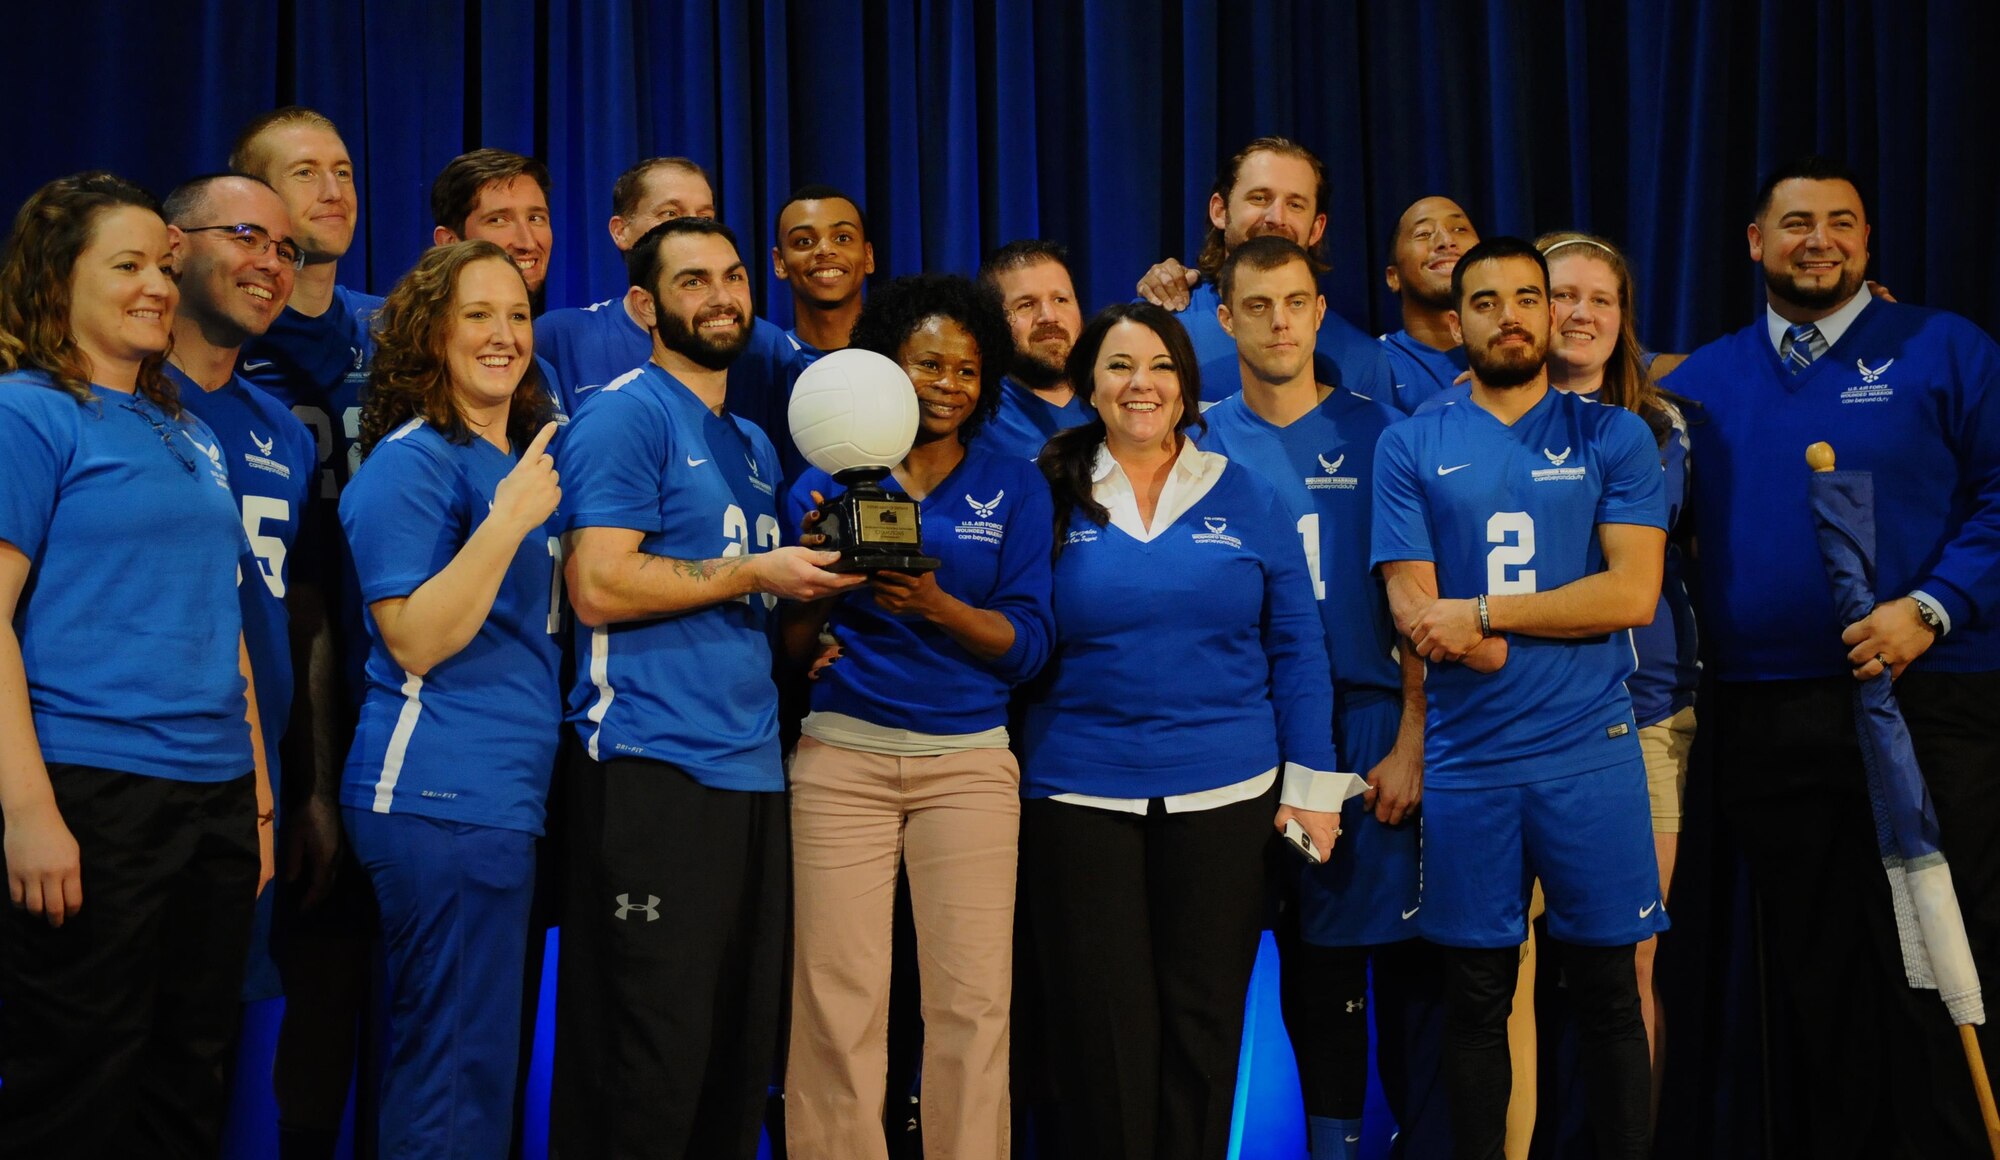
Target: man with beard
[
  {"x": 1272, "y": 186},
  {"x": 1316, "y": 444},
  {"x": 591, "y": 345},
  {"x": 1912, "y": 395},
  {"x": 677, "y": 805},
  {"x": 1031, "y": 277},
  {"x": 316, "y": 359},
  {"x": 1537, "y": 515},
  {"x": 1425, "y": 357}
]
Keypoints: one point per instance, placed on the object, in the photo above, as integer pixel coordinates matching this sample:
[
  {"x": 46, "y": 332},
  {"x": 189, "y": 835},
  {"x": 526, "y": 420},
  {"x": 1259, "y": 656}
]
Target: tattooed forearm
[{"x": 698, "y": 569}]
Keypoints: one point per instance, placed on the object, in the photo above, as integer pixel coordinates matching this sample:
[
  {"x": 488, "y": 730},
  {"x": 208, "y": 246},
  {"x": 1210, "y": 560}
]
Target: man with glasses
[{"x": 232, "y": 243}]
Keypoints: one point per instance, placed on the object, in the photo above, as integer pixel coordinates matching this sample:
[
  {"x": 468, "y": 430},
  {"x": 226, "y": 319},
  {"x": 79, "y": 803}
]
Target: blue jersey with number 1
[
  {"x": 694, "y": 689},
  {"x": 474, "y": 739},
  {"x": 1506, "y": 510}
]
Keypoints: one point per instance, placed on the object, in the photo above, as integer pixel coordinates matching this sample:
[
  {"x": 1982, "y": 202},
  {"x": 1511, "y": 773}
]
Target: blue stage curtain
[
  {"x": 965, "y": 123},
  {"x": 962, "y": 124}
]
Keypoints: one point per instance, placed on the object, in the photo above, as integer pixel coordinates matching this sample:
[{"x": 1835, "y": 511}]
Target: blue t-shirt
[
  {"x": 271, "y": 458},
  {"x": 808, "y": 353},
  {"x": 1419, "y": 370},
  {"x": 1323, "y": 466},
  {"x": 591, "y": 345},
  {"x": 1908, "y": 394},
  {"x": 474, "y": 739},
  {"x": 693, "y": 689},
  {"x": 1023, "y": 421},
  {"x": 319, "y": 367},
  {"x": 1221, "y": 594},
  {"x": 1507, "y": 510},
  {"x": 1344, "y": 356},
  {"x": 129, "y": 621},
  {"x": 988, "y": 523}
]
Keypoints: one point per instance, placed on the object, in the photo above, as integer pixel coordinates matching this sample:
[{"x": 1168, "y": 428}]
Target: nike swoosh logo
[
  {"x": 1413, "y": 910},
  {"x": 693, "y": 462},
  {"x": 256, "y": 365},
  {"x": 591, "y": 387},
  {"x": 1443, "y": 470},
  {"x": 1647, "y": 911},
  {"x": 1353, "y": 1139}
]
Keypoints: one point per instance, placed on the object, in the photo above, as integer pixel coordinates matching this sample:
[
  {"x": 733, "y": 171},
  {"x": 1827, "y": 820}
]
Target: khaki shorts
[{"x": 1665, "y": 747}]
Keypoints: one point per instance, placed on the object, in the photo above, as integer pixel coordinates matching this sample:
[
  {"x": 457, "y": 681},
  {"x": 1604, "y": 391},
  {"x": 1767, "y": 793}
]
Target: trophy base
[{"x": 910, "y": 562}]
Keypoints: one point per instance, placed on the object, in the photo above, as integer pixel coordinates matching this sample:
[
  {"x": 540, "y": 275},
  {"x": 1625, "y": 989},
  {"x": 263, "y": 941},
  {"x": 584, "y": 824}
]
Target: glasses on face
[
  {"x": 257, "y": 240},
  {"x": 166, "y": 435}
]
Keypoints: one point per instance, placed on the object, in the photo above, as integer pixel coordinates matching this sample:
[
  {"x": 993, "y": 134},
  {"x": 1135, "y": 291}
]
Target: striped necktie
[{"x": 1799, "y": 355}]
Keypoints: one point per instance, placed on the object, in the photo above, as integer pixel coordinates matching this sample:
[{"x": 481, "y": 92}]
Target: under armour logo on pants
[{"x": 651, "y": 907}]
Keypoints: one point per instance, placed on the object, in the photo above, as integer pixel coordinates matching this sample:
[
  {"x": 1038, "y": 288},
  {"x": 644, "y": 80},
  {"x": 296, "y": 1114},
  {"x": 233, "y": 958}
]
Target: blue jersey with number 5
[
  {"x": 693, "y": 690},
  {"x": 1510, "y": 510}
]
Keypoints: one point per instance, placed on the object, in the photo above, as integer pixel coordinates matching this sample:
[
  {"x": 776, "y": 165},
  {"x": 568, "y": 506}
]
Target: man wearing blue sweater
[
  {"x": 1271, "y": 186},
  {"x": 1913, "y": 396},
  {"x": 1535, "y": 519}
]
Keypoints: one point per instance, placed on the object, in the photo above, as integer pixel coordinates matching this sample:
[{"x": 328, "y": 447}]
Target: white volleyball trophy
[{"x": 853, "y": 415}]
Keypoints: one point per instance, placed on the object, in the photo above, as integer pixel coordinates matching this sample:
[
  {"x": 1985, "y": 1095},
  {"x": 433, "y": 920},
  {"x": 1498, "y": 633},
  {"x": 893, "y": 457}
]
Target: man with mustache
[
  {"x": 1031, "y": 276},
  {"x": 675, "y": 930},
  {"x": 1271, "y": 186},
  {"x": 1913, "y": 396},
  {"x": 590, "y": 346},
  {"x": 1425, "y": 356},
  {"x": 1537, "y": 515}
]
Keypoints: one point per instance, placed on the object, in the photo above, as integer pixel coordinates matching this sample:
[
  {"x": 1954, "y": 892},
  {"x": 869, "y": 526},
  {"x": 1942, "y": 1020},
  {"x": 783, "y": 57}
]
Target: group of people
[{"x": 453, "y": 616}]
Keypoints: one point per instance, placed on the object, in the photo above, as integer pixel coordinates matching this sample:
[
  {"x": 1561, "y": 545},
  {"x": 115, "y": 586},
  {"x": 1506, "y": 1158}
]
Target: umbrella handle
[{"x": 1981, "y": 1086}]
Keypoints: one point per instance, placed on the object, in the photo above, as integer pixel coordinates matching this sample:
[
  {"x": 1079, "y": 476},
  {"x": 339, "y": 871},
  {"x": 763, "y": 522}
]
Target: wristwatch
[{"x": 1932, "y": 618}]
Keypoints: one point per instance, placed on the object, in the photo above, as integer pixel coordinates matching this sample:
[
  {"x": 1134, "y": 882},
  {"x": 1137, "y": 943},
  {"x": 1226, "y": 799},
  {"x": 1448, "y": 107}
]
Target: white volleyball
[{"x": 853, "y": 409}]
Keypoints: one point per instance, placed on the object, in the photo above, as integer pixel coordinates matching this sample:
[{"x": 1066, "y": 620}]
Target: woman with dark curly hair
[
  {"x": 904, "y": 757},
  {"x": 1187, "y": 711},
  {"x": 443, "y": 795},
  {"x": 133, "y": 795}
]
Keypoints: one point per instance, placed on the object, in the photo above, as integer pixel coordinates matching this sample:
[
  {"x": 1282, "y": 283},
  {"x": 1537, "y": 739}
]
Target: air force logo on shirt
[
  {"x": 213, "y": 451},
  {"x": 1331, "y": 478},
  {"x": 1217, "y": 532},
  {"x": 1556, "y": 471},
  {"x": 1870, "y": 389},
  {"x": 982, "y": 527},
  {"x": 262, "y": 460},
  {"x": 757, "y": 477}
]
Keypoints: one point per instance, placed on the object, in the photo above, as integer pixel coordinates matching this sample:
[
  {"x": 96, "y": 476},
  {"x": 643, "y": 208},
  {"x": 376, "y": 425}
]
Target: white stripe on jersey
[
  {"x": 399, "y": 742},
  {"x": 627, "y": 377},
  {"x": 600, "y": 675},
  {"x": 405, "y": 429}
]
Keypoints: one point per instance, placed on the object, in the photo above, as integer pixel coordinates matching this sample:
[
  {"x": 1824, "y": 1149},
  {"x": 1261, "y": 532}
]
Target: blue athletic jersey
[
  {"x": 474, "y": 739},
  {"x": 129, "y": 620},
  {"x": 1022, "y": 421},
  {"x": 271, "y": 458},
  {"x": 319, "y": 367},
  {"x": 1507, "y": 510},
  {"x": 1908, "y": 394},
  {"x": 1668, "y": 669},
  {"x": 807, "y": 352},
  {"x": 1419, "y": 370},
  {"x": 1221, "y": 594},
  {"x": 1323, "y": 466},
  {"x": 694, "y": 689},
  {"x": 989, "y": 524},
  {"x": 1344, "y": 356}
]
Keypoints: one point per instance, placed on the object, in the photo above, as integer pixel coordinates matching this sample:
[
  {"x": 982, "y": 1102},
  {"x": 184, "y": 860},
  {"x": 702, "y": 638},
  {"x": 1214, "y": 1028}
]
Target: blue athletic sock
[{"x": 1331, "y": 1139}]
